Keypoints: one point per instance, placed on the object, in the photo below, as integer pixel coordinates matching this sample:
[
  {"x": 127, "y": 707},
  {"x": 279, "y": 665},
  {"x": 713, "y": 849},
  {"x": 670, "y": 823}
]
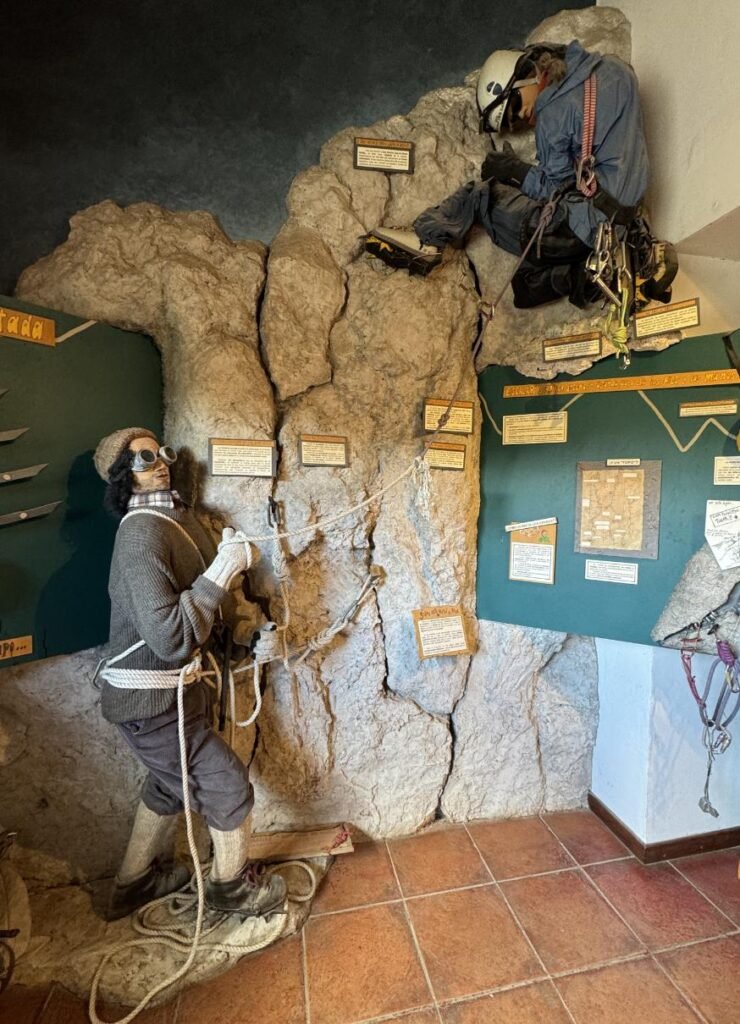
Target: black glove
[{"x": 505, "y": 166}]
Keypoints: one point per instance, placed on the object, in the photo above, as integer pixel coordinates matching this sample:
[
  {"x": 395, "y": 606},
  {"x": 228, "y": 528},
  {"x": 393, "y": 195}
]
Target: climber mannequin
[
  {"x": 543, "y": 86},
  {"x": 167, "y": 583}
]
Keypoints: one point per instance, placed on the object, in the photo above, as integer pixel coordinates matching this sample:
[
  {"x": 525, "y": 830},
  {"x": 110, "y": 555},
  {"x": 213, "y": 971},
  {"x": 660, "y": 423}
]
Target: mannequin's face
[
  {"x": 529, "y": 94},
  {"x": 155, "y": 479}
]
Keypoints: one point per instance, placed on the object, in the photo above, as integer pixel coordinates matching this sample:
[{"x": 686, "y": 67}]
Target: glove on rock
[
  {"x": 234, "y": 555},
  {"x": 505, "y": 166}
]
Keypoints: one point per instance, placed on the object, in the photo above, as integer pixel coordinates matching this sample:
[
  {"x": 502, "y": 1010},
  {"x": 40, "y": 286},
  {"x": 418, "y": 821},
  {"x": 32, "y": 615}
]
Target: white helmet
[{"x": 496, "y": 82}]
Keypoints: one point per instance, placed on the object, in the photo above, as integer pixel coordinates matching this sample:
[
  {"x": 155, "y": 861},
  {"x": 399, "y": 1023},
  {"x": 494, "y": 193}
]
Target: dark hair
[
  {"x": 120, "y": 485},
  {"x": 543, "y": 58}
]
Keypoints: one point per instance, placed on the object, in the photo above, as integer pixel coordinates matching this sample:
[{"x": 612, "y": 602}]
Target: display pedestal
[{"x": 649, "y": 762}]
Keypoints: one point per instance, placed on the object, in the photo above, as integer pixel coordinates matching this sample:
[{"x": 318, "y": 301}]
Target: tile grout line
[
  {"x": 519, "y": 925},
  {"x": 719, "y": 910},
  {"x": 304, "y": 964},
  {"x": 689, "y": 1002},
  {"x": 410, "y": 923}
]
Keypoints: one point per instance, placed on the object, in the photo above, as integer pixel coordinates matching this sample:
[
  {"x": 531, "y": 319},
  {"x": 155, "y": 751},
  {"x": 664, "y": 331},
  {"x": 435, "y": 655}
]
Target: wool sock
[
  {"x": 152, "y": 835},
  {"x": 230, "y": 851}
]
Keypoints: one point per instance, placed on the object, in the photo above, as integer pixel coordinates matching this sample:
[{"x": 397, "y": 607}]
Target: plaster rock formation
[
  {"x": 703, "y": 588},
  {"x": 525, "y": 728},
  {"x": 363, "y": 730},
  {"x": 73, "y": 778}
]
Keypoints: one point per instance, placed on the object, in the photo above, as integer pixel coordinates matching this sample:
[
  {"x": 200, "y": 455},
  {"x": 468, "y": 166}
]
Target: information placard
[
  {"x": 322, "y": 450},
  {"x": 444, "y": 455},
  {"x": 460, "y": 420},
  {"x": 390, "y": 155},
  {"x": 572, "y": 346},
  {"x": 16, "y": 647},
  {"x": 535, "y": 428},
  {"x": 726, "y": 470},
  {"x": 532, "y": 551},
  {"x": 230, "y": 456},
  {"x": 722, "y": 407},
  {"x": 440, "y": 631},
  {"x": 27, "y": 327},
  {"x": 612, "y": 572},
  {"x": 673, "y": 317}
]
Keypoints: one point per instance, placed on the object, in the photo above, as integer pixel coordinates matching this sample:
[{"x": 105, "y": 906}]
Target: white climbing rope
[{"x": 173, "y": 938}]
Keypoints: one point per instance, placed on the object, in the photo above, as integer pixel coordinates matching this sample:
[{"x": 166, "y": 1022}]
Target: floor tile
[
  {"x": 65, "y": 1008},
  {"x": 435, "y": 861},
  {"x": 709, "y": 974},
  {"x": 660, "y": 905},
  {"x": 586, "y": 838},
  {"x": 569, "y": 924},
  {"x": 266, "y": 987},
  {"x": 631, "y": 993},
  {"x": 20, "y": 1005},
  {"x": 522, "y": 846},
  {"x": 716, "y": 875},
  {"x": 362, "y": 964},
  {"x": 470, "y": 942},
  {"x": 536, "y": 1003},
  {"x": 355, "y": 879}
]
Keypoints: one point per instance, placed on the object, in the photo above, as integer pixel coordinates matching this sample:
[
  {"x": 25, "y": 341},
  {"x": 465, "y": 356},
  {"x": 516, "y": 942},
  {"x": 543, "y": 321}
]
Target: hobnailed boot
[
  {"x": 238, "y": 885},
  {"x": 402, "y": 250},
  {"x": 253, "y": 893},
  {"x": 147, "y": 871},
  {"x": 126, "y": 897}
]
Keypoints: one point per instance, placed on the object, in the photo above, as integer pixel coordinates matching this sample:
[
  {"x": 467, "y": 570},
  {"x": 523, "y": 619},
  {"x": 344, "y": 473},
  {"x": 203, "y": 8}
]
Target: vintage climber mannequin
[
  {"x": 543, "y": 86},
  {"x": 167, "y": 583}
]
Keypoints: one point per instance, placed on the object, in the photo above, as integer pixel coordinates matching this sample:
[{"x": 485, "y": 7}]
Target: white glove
[{"x": 234, "y": 555}]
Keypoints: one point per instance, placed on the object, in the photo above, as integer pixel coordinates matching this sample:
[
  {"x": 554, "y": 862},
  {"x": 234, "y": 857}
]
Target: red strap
[{"x": 585, "y": 177}]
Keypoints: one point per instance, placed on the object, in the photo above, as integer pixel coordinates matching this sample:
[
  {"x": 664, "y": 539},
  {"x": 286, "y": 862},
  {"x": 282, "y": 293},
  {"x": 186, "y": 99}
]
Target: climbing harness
[
  {"x": 629, "y": 267},
  {"x": 716, "y": 718}
]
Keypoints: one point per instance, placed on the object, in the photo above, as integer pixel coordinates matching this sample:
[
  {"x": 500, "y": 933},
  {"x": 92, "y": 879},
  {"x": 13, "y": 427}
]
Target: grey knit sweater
[{"x": 159, "y": 595}]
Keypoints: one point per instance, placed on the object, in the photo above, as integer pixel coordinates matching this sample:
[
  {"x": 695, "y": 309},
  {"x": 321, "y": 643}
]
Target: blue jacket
[{"x": 619, "y": 150}]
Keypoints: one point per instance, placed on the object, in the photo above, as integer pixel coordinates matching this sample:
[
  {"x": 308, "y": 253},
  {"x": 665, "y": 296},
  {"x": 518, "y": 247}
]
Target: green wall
[
  {"x": 54, "y": 571},
  {"x": 523, "y": 482}
]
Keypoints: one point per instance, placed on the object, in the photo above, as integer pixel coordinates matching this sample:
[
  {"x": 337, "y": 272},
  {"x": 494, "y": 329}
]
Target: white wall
[
  {"x": 621, "y": 753},
  {"x": 685, "y": 55}
]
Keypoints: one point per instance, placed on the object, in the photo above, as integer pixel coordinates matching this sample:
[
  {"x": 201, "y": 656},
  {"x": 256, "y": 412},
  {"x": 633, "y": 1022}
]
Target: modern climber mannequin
[
  {"x": 167, "y": 583},
  {"x": 544, "y": 86}
]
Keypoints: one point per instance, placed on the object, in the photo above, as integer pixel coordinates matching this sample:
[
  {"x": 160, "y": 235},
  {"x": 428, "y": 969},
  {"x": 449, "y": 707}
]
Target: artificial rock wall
[{"x": 312, "y": 336}]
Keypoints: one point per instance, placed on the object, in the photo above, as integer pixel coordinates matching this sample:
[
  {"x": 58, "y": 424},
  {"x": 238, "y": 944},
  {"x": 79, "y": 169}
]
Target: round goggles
[{"x": 147, "y": 459}]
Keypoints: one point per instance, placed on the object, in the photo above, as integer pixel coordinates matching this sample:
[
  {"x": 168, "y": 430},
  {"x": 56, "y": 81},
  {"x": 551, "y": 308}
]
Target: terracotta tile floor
[{"x": 540, "y": 921}]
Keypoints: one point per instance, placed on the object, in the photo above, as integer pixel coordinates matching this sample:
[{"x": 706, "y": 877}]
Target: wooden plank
[
  {"x": 649, "y": 382},
  {"x": 294, "y": 845}
]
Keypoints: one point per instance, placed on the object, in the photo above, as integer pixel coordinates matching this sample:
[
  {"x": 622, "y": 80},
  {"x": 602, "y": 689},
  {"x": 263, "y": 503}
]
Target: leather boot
[
  {"x": 154, "y": 883},
  {"x": 253, "y": 893}
]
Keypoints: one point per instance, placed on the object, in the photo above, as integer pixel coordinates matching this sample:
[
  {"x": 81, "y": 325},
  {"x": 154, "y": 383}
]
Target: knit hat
[{"x": 111, "y": 447}]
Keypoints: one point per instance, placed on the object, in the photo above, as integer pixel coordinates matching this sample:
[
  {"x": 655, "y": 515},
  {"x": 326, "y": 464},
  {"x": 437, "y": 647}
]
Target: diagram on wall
[
  {"x": 644, "y": 471},
  {"x": 618, "y": 509}
]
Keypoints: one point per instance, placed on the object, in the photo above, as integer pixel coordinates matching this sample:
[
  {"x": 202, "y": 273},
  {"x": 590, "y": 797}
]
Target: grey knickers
[{"x": 220, "y": 790}]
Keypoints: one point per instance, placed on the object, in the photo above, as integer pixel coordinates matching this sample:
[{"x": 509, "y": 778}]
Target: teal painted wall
[
  {"x": 522, "y": 482},
  {"x": 54, "y": 571}
]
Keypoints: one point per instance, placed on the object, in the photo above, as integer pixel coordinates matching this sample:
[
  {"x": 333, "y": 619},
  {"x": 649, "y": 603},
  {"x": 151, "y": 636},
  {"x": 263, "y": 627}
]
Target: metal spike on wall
[{"x": 11, "y": 435}]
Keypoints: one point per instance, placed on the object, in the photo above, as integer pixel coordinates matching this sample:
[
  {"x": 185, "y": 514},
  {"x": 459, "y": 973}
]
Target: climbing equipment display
[{"x": 716, "y": 714}]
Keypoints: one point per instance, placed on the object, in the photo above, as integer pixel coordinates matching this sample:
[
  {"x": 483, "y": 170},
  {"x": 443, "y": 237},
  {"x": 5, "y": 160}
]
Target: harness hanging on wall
[{"x": 716, "y": 716}]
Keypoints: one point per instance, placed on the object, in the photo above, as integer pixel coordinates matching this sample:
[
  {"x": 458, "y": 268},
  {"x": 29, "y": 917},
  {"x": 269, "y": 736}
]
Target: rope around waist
[{"x": 154, "y": 679}]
